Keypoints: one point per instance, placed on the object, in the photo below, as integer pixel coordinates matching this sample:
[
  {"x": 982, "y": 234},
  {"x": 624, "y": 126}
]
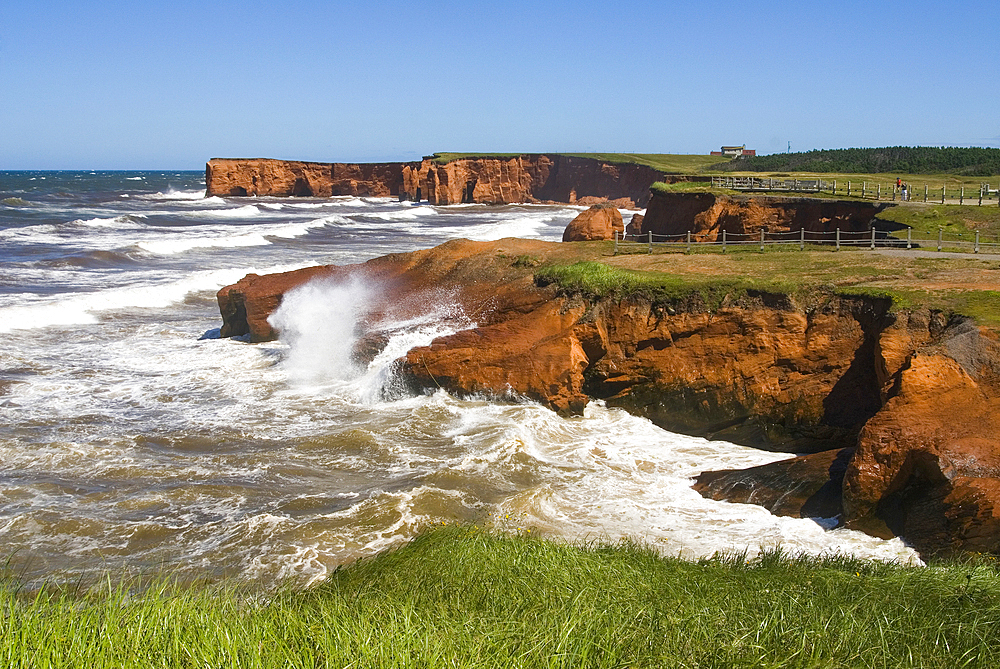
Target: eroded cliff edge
[
  {"x": 484, "y": 180},
  {"x": 897, "y": 408}
]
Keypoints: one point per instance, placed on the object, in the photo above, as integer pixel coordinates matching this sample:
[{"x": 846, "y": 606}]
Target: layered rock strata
[
  {"x": 527, "y": 178},
  {"x": 899, "y": 409},
  {"x": 706, "y": 215},
  {"x": 287, "y": 178}
]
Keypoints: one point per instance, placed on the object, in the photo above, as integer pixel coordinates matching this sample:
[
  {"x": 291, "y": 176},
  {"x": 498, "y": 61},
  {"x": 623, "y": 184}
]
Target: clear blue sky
[{"x": 167, "y": 85}]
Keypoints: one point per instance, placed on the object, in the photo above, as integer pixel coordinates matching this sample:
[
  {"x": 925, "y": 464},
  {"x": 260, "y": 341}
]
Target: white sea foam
[
  {"x": 133, "y": 178},
  {"x": 633, "y": 479},
  {"x": 173, "y": 246},
  {"x": 83, "y": 308},
  {"x": 185, "y": 241},
  {"x": 318, "y": 320},
  {"x": 246, "y": 211},
  {"x": 179, "y": 195},
  {"x": 410, "y": 213}
]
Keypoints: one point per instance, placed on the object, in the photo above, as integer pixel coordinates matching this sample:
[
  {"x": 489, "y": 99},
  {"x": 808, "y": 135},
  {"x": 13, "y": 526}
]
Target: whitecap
[
  {"x": 83, "y": 308},
  {"x": 245, "y": 211},
  {"x": 178, "y": 195}
]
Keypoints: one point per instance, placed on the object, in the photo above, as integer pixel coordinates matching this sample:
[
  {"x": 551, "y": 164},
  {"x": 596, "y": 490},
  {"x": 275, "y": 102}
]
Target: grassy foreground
[{"x": 467, "y": 597}]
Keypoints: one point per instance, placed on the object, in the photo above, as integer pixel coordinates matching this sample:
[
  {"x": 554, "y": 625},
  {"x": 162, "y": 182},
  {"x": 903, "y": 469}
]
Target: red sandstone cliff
[
  {"x": 526, "y": 178},
  {"x": 529, "y": 178},
  {"x": 265, "y": 176},
  {"x": 901, "y": 408},
  {"x": 706, "y": 215}
]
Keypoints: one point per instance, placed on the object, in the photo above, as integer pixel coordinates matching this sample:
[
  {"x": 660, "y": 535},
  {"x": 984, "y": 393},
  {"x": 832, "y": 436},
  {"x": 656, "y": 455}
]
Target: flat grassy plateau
[{"x": 473, "y": 597}]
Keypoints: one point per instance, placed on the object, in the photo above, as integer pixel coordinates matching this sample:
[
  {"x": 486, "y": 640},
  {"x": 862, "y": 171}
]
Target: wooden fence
[
  {"x": 971, "y": 242},
  {"x": 868, "y": 190}
]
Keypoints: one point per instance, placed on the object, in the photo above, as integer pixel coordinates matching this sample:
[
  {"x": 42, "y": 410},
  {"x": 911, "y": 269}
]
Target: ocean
[{"x": 136, "y": 441}]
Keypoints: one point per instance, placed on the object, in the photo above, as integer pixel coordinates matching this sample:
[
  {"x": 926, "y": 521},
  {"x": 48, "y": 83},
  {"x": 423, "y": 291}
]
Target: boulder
[
  {"x": 599, "y": 222},
  {"x": 807, "y": 486}
]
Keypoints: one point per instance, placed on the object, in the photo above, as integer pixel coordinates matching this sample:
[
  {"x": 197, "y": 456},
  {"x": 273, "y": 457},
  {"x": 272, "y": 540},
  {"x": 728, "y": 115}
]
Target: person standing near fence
[{"x": 905, "y": 192}]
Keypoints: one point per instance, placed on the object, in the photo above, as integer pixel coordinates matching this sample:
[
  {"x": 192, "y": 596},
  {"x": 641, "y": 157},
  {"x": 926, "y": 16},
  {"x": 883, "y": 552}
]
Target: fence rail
[
  {"x": 863, "y": 189},
  {"x": 972, "y": 242}
]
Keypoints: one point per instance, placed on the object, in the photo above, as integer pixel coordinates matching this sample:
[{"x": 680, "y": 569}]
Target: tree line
[{"x": 961, "y": 161}]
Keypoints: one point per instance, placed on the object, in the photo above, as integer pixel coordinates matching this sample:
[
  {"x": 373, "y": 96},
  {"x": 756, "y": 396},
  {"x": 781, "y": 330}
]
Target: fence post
[
  {"x": 864, "y": 189},
  {"x": 878, "y": 193},
  {"x": 873, "y": 237},
  {"x": 894, "y": 193},
  {"x": 616, "y": 242},
  {"x": 723, "y": 240},
  {"x": 834, "y": 186},
  {"x": 980, "y": 195},
  {"x": 650, "y": 241},
  {"x": 762, "y": 239},
  {"x": 848, "y": 188},
  {"x": 925, "y": 192},
  {"x": 802, "y": 239},
  {"x": 940, "y": 233},
  {"x": 838, "y": 239},
  {"x": 944, "y": 189},
  {"x": 909, "y": 243},
  {"x": 689, "y": 242},
  {"x": 977, "y": 241},
  {"x": 961, "y": 196}
]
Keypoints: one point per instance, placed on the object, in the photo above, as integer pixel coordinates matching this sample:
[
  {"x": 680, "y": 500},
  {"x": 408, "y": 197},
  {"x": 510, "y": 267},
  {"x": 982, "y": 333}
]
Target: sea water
[{"x": 135, "y": 440}]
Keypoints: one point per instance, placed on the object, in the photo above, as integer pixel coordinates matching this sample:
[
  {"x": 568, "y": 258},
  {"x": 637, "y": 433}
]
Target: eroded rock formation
[
  {"x": 706, "y": 215},
  {"x": 285, "y": 178},
  {"x": 899, "y": 409},
  {"x": 526, "y": 178},
  {"x": 599, "y": 222}
]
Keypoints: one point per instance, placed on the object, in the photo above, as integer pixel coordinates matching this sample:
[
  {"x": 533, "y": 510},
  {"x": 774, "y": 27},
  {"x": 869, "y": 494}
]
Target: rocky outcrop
[
  {"x": 284, "y": 178},
  {"x": 804, "y": 487},
  {"x": 926, "y": 466},
  {"x": 898, "y": 410},
  {"x": 525, "y": 178},
  {"x": 706, "y": 215},
  {"x": 599, "y": 222},
  {"x": 635, "y": 225},
  {"x": 530, "y": 178}
]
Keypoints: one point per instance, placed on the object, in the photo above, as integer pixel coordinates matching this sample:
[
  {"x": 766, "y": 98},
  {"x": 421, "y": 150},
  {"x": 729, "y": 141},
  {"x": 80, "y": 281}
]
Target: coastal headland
[
  {"x": 882, "y": 373},
  {"x": 481, "y": 179},
  {"x": 894, "y": 406}
]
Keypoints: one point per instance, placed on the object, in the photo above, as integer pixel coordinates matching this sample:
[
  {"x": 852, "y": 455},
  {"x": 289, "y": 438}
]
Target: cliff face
[
  {"x": 284, "y": 178},
  {"x": 527, "y": 178},
  {"x": 900, "y": 410},
  {"x": 706, "y": 215}
]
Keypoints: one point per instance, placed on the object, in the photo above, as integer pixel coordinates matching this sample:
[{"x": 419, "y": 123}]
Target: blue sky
[{"x": 168, "y": 85}]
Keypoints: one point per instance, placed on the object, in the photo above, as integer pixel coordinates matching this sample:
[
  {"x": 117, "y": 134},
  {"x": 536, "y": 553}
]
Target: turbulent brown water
[{"x": 135, "y": 440}]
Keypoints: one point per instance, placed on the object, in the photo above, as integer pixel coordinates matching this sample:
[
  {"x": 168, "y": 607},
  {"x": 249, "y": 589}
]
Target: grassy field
[
  {"x": 469, "y": 597},
  {"x": 961, "y": 284},
  {"x": 954, "y": 219},
  {"x": 666, "y": 162}
]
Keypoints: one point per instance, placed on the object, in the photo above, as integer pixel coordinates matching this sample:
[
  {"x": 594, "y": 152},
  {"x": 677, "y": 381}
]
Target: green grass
[
  {"x": 689, "y": 187},
  {"x": 597, "y": 279},
  {"x": 467, "y": 597},
  {"x": 665, "y": 162},
  {"x": 925, "y": 219}
]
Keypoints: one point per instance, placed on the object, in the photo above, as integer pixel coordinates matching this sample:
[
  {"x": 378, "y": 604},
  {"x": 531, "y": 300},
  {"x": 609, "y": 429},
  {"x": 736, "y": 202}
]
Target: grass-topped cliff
[
  {"x": 963, "y": 284},
  {"x": 469, "y": 597},
  {"x": 665, "y": 162}
]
